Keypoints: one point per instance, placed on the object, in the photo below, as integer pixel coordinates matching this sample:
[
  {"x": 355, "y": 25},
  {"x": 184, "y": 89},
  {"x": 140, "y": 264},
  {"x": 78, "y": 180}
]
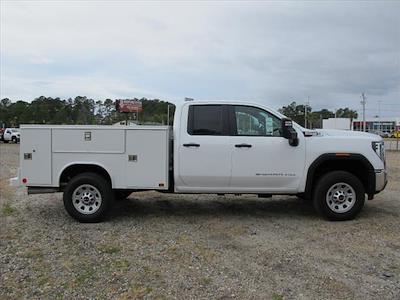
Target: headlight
[{"x": 379, "y": 148}]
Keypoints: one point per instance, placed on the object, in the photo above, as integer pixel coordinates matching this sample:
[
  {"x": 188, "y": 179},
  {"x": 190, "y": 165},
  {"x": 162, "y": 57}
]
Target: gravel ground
[{"x": 158, "y": 246}]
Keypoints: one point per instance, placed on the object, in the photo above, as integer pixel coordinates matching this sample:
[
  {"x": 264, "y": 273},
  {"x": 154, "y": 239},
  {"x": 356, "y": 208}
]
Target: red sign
[{"x": 128, "y": 106}]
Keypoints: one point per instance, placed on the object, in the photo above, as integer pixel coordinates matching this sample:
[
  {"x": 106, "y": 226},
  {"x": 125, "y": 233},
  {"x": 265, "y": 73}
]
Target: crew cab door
[
  {"x": 262, "y": 160},
  {"x": 204, "y": 149}
]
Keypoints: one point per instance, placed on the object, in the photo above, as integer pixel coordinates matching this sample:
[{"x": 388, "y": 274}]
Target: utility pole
[
  {"x": 363, "y": 102},
  {"x": 305, "y": 111},
  {"x": 168, "y": 115},
  {"x": 379, "y": 117}
]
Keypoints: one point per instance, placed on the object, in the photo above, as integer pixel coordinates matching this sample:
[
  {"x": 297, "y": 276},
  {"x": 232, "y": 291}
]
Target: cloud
[
  {"x": 69, "y": 86},
  {"x": 272, "y": 52},
  {"x": 40, "y": 60}
]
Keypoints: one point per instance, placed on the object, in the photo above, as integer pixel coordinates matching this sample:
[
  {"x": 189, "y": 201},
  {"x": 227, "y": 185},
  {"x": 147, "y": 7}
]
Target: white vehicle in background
[
  {"x": 214, "y": 147},
  {"x": 11, "y": 135},
  {"x": 337, "y": 123}
]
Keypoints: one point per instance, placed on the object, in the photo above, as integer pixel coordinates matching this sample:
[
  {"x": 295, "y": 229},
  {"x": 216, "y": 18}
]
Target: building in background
[
  {"x": 378, "y": 125},
  {"x": 337, "y": 123}
]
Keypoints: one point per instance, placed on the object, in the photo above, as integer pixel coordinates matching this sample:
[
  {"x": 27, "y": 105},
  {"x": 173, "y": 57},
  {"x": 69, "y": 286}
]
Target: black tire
[
  {"x": 96, "y": 182},
  {"x": 5, "y": 142},
  {"x": 121, "y": 194},
  {"x": 303, "y": 197},
  {"x": 14, "y": 140},
  {"x": 328, "y": 183}
]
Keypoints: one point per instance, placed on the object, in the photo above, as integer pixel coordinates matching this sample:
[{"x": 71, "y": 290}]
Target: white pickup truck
[
  {"x": 11, "y": 135},
  {"x": 214, "y": 147}
]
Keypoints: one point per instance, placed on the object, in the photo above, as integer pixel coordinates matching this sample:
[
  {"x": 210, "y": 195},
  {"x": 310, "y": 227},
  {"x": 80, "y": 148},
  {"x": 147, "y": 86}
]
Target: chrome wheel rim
[
  {"x": 340, "y": 197},
  {"x": 86, "y": 199}
]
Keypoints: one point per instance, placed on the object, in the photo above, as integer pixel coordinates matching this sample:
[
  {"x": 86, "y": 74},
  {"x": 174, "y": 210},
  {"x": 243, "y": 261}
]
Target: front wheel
[
  {"x": 339, "y": 196},
  {"x": 88, "y": 197}
]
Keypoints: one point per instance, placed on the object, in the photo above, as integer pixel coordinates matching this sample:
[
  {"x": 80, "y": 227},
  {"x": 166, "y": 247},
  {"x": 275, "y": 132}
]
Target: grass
[
  {"x": 122, "y": 264},
  {"x": 277, "y": 297},
  {"x": 33, "y": 253},
  {"x": 205, "y": 253},
  {"x": 109, "y": 249},
  {"x": 140, "y": 292},
  {"x": 83, "y": 277},
  {"x": 206, "y": 281},
  {"x": 8, "y": 210},
  {"x": 150, "y": 274},
  {"x": 43, "y": 280}
]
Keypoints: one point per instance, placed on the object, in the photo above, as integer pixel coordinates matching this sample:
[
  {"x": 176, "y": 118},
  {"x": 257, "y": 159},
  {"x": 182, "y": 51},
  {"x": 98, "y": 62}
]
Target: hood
[{"x": 348, "y": 133}]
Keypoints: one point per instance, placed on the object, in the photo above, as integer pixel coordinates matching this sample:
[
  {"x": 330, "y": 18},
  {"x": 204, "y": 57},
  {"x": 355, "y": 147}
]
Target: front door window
[{"x": 252, "y": 121}]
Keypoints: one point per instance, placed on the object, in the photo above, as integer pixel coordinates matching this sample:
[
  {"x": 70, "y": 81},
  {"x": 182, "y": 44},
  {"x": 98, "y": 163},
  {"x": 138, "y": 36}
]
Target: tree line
[
  {"x": 298, "y": 113},
  {"x": 78, "y": 110},
  {"x": 83, "y": 110}
]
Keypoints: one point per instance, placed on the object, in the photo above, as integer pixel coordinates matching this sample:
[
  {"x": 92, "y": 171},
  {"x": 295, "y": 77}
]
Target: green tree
[
  {"x": 346, "y": 113},
  {"x": 4, "y": 111},
  {"x": 295, "y": 112},
  {"x": 80, "y": 110},
  {"x": 316, "y": 117}
]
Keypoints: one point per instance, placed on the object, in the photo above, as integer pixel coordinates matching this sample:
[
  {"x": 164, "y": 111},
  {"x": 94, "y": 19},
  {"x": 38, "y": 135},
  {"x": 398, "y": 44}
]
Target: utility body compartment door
[
  {"x": 147, "y": 159},
  {"x": 35, "y": 156},
  {"x": 78, "y": 140}
]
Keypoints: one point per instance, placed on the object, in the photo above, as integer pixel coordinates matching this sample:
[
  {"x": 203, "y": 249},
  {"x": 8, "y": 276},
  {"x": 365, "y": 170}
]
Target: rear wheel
[
  {"x": 88, "y": 197},
  {"x": 339, "y": 196}
]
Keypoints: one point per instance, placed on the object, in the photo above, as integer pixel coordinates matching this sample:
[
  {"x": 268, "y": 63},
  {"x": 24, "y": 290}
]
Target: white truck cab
[{"x": 214, "y": 147}]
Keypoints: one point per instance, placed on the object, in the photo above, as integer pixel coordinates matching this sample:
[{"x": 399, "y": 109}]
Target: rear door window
[{"x": 206, "y": 120}]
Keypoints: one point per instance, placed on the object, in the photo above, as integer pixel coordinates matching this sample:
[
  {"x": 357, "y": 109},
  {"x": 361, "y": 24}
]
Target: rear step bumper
[{"x": 42, "y": 190}]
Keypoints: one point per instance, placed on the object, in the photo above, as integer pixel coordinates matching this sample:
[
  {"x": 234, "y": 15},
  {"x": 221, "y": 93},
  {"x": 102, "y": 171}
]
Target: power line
[{"x": 393, "y": 110}]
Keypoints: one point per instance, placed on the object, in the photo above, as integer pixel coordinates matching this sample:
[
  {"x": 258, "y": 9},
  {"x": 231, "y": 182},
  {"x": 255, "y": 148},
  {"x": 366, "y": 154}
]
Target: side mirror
[{"x": 289, "y": 132}]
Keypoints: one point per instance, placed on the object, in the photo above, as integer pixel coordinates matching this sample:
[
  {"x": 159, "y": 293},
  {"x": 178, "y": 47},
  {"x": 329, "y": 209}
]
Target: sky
[{"x": 271, "y": 52}]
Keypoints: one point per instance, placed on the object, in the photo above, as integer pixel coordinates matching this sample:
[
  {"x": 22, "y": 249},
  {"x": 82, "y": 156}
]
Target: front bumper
[{"x": 380, "y": 180}]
